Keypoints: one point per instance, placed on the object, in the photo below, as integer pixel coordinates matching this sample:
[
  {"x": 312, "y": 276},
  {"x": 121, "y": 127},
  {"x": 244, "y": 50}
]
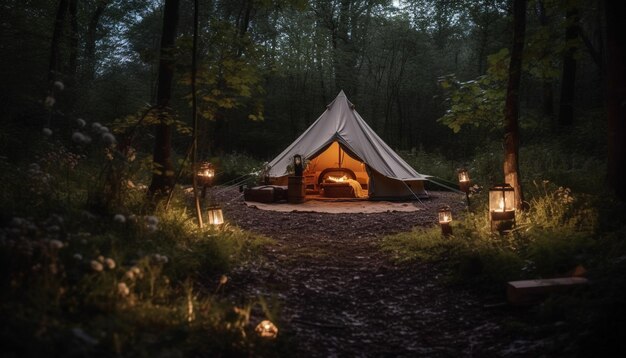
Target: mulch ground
[{"x": 340, "y": 295}]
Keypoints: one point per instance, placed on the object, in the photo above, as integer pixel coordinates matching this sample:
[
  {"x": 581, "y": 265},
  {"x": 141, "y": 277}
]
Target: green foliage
[
  {"x": 478, "y": 102},
  {"x": 77, "y": 278},
  {"x": 230, "y": 77},
  {"x": 552, "y": 237},
  {"x": 236, "y": 165},
  {"x": 430, "y": 163}
]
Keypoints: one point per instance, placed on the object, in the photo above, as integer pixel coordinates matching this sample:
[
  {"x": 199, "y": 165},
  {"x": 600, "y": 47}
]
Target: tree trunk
[
  {"x": 568, "y": 82},
  {"x": 73, "y": 63},
  {"x": 194, "y": 111},
  {"x": 511, "y": 127},
  {"x": 547, "y": 94},
  {"x": 59, "y": 22},
  {"x": 163, "y": 171},
  {"x": 90, "y": 41},
  {"x": 616, "y": 95}
]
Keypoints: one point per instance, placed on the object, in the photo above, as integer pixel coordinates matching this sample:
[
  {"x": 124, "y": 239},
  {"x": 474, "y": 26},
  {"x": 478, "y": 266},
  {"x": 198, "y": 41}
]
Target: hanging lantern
[
  {"x": 215, "y": 215},
  {"x": 297, "y": 165},
  {"x": 445, "y": 218},
  {"x": 205, "y": 173},
  {"x": 266, "y": 329},
  {"x": 502, "y": 207},
  {"x": 464, "y": 180}
]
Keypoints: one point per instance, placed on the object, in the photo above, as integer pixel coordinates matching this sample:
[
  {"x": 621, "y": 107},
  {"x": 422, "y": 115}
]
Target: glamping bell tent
[{"x": 346, "y": 158}]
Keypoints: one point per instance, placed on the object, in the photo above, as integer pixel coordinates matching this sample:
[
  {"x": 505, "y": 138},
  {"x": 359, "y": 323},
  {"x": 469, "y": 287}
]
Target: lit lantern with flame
[
  {"x": 215, "y": 216},
  {"x": 205, "y": 173},
  {"x": 298, "y": 167},
  {"x": 266, "y": 329},
  {"x": 445, "y": 217},
  {"x": 502, "y": 207},
  {"x": 464, "y": 180}
]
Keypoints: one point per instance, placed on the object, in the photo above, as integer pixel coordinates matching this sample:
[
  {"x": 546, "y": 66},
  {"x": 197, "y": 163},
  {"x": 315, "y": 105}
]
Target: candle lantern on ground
[
  {"x": 464, "y": 180},
  {"x": 464, "y": 183},
  {"x": 266, "y": 329},
  {"x": 205, "y": 175},
  {"x": 215, "y": 215},
  {"x": 501, "y": 207},
  {"x": 296, "y": 191},
  {"x": 445, "y": 217},
  {"x": 298, "y": 167}
]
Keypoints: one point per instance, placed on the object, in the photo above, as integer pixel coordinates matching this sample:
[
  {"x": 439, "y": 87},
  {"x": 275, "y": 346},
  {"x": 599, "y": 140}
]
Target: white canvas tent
[{"x": 340, "y": 138}]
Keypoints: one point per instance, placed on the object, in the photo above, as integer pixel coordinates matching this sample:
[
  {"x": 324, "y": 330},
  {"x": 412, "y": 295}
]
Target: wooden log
[{"x": 529, "y": 292}]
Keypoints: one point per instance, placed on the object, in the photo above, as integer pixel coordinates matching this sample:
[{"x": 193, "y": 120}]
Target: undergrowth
[
  {"x": 89, "y": 267},
  {"x": 562, "y": 229}
]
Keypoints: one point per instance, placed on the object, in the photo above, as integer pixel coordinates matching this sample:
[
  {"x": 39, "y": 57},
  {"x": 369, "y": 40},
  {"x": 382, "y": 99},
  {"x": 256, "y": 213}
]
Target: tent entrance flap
[{"x": 336, "y": 157}]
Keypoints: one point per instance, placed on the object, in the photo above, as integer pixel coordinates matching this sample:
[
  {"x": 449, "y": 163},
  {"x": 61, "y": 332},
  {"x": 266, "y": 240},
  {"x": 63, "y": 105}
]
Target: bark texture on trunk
[
  {"x": 616, "y": 95},
  {"x": 163, "y": 171},
  {"x": 511, "y": 126}
]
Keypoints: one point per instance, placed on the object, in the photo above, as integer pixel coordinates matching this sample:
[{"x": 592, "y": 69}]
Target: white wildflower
[
  {"x": 96, "y": 126},
  {"x": 152, "y": 220},
  {"x": 47, "y": 131},
  {"x": 59, "y": 85},
  {"x": 129, "y": 275},
  {"x": 110, "y": 263},
  {"x": 161, "y": 258},
  {"x": 96, "y": 266},
  {"x": 122, "y": 289},
  {"x": 53, "y": 228},
  {"x": 80, "y": 122},
  {"x": 108, "y": 138},
  {"x": 78, "y": 137},
  {"x": 56, "y": 244},
  {"x": 119, "y": 218},
  {"x": 104, "y": 129},
  {"x": 78, "y": 256},
  {"x": 49, "y": 101}
]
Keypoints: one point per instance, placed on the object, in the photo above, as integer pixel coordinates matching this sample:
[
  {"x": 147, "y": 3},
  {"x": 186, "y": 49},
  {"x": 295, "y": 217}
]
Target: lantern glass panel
[
  {"x": 445, "y": 215},
  {"x": 463, "y": 175},
  {"x": 215, "y": 216},
  {"x": 501, "y": 198}
]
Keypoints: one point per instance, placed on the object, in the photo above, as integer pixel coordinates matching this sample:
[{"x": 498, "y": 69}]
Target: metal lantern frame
[
  {"x": 464, "y": 179},
  {"x": 502, "y": 207},
  {"x": 444, "y": 216}
]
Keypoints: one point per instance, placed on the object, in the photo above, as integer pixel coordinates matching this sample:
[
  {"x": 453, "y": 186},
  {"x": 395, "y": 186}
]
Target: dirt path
[{"x": 341, "y": 296}]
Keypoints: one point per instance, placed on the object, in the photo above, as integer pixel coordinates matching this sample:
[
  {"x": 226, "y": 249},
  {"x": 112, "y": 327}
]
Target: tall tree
[
  {"x": 90, "y": 40},
  {"x": 59, "y": 24},
  {"x": 163, "y": 173},
  {"x": 511, "y": 111},
  {"x": 568, "y": 81},
  {"x": 547, "y": 96},
  {"x": 194, "y": 108},
  {"x": 616, "y": 95}
]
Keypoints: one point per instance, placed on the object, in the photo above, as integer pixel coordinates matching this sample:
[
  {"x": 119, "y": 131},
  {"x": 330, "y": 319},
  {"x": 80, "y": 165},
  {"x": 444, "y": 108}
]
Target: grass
[
  {"x": 572, "y": 220},
  {"x": 114, "y": 276}
]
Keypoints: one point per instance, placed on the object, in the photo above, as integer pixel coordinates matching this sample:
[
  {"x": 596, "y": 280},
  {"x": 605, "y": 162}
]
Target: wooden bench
[{"x": 528, "y": 292}]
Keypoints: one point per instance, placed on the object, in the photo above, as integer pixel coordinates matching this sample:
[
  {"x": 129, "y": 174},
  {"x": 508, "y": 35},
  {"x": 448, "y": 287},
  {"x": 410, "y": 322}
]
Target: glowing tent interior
[{"x": 343, "y": 153}]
